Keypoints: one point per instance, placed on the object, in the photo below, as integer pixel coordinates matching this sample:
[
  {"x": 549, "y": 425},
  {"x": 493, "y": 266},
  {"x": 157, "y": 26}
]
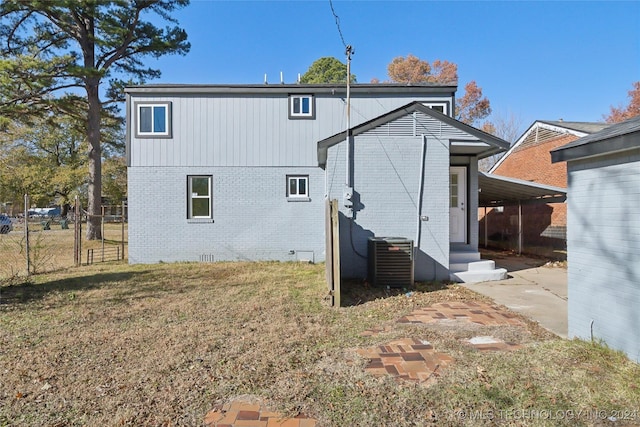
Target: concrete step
[
  {"x": 463, "y": 256},
  {"x": 486, "y": 264},
  {"x": 476, "y": 276},
  {"x": 471, "y": 266}
]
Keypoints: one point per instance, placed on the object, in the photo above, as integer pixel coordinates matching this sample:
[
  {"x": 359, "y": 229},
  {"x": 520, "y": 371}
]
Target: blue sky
[{"x": 534, "y": 60}]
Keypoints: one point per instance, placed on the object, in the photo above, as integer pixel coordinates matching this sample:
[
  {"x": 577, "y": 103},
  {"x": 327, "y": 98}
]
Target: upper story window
[
  {"x": 301, "y": 107},
  {"x": 438, "y": 106},
  {"x": 153, "y": 119}
]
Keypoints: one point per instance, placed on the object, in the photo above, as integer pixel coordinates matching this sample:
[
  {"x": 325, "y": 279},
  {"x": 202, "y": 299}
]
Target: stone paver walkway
[
  {"x": 249, "y": 413},
  {"x": 475, "y": 312},
  {"x": 407, "y": 359}
]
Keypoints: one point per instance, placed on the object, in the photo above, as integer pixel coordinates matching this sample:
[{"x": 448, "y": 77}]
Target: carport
[{"x": 496, "y": 190}]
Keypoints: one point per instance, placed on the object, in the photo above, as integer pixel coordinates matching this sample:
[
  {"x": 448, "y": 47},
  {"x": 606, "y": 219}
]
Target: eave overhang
[{"x": 616, "y": 138}]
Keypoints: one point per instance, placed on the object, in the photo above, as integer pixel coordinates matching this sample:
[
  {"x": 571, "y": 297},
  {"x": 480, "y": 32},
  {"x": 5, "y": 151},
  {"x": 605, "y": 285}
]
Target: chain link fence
[{"x": 37, "y": 243}]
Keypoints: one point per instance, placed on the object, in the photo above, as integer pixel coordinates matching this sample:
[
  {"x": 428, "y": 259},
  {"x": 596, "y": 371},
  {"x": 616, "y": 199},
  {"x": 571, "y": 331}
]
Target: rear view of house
[{"x": 243, "y": 171}]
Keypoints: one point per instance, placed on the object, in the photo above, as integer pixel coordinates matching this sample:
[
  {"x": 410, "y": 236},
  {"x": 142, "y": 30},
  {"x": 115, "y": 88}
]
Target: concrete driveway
[{"x": 533, "y": 289}]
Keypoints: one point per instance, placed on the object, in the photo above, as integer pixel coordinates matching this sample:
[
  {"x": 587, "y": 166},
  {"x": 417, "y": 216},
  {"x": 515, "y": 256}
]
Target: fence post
[
  {"x": 26, "y": 232},
  {"x": 102, "y": 230},
  {"x": 78, "y": 231},
  {"x": 122, "y": 242}
]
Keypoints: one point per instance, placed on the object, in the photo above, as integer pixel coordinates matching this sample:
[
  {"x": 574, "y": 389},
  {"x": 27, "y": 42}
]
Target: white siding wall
[{"x": 603, "y": 250}]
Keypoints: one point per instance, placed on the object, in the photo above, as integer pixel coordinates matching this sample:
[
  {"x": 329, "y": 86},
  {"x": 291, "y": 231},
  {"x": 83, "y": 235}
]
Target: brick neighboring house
[{"x": 544, "y": 226}]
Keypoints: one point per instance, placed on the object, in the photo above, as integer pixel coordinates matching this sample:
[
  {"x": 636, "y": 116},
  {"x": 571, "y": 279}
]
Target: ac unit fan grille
[{"x": 390, "y": 261}]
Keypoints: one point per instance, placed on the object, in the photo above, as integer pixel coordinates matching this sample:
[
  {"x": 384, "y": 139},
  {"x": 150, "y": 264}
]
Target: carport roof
[{"x": 496, "y": 190}]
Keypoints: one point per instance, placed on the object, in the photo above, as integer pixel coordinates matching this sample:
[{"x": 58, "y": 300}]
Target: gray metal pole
[
  {"x": 102, "y": 230},
  {"x": 122, "y": 244},
  {"x": 519, "y": 228},
  {"x": 26, "y": 232},
  {"x": 486, "y": 221},
  {"x": 75, "y": 232}
]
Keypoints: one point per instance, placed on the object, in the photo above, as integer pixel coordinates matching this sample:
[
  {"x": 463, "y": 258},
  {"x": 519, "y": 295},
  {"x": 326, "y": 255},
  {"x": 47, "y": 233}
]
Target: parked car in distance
[{"x": 5, "y": 224}]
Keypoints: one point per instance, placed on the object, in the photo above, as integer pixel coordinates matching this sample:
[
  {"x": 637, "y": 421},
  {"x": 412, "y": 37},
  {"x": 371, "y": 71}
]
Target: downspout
[{"x": 326, "y": 182}]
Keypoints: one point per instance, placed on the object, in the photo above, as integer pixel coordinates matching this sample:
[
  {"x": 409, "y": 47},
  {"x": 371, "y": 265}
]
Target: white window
[
  {"x": 298, "y": 186},
  {"x": 301, "y": 106},
  {"x": 438, "y": 106},
  {"x": 153, "y": 119},
  {"x": 199, "y": 195}
]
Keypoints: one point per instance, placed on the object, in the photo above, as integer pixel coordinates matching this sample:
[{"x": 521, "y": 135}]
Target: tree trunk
[
  {"x": 94, "y": 231},
  {"x": 92, "y": 85}
]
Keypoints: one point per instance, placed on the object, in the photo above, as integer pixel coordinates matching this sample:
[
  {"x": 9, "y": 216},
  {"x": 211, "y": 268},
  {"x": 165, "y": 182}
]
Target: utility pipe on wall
[
  {"x": 420, "y": 191},
  {"x": 348, "y": 183}
]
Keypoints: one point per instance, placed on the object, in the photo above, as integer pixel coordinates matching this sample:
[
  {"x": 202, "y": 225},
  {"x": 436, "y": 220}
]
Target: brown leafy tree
[
  {"x": 471, "y": 108},
  {"x": 473, "y": 105},
  {"x": 620, "y": 114},
  {"x": 415, "y": 70}
]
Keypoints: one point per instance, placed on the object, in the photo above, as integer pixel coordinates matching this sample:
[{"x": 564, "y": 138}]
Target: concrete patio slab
[{"x": 532, "y": 289}]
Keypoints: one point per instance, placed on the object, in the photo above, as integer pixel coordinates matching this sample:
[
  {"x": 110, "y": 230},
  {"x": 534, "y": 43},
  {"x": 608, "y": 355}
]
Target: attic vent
[
  {"x": 403, "y": 126},
  {"x": 390, "y": 261}
]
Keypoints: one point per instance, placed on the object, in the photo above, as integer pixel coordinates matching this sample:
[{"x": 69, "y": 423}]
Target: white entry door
[{"x": 458, "y": 204}]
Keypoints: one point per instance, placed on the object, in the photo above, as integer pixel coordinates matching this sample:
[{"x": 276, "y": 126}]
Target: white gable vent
[{"x": 400, "y": 127}]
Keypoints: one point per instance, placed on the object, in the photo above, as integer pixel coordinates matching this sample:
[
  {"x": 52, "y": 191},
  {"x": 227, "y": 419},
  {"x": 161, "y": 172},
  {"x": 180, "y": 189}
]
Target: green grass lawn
[{"x": 113, "y": 344}]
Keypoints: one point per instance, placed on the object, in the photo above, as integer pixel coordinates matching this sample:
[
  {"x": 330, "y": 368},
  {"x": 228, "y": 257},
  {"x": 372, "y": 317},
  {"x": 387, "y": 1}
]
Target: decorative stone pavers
[
  {"x": 406, "y": 359},
  {"x": 475, "y": 312},
  {"x": 251, "y": 413}
]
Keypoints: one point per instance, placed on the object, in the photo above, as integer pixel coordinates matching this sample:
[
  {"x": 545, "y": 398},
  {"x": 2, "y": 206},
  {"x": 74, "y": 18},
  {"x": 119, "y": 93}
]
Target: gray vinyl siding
[
  {"x": 603, "y": 233},
  {"x": 251, "y": 130},
  {"x": 252, "y": 218}
]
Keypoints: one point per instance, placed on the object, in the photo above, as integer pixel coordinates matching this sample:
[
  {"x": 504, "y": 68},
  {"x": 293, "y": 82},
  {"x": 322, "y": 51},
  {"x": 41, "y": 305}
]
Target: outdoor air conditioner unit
[{"x": 390, "y": 261}]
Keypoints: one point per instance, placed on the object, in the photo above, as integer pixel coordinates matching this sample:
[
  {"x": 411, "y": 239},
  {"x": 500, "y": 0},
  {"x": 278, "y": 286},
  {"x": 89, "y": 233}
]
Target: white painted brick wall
[
  {"x": 386, "y": 177},
  {"x": 604, "y": 250},
  {"x": 252, "y": 218}
]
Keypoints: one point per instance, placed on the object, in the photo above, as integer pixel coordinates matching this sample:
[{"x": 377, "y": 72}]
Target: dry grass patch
[
  {"x": 52, "y": 249},
  {"x": 163, "y": 344}
]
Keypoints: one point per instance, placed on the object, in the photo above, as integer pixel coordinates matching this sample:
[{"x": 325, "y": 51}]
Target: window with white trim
[
  {"x": 199, "y": 197},
  {"x": 298, "y": 186},
  {"x": 153, "y": 119},
  {"x": 301, "y": 107},
  {"x": 438, "y": 106}
]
